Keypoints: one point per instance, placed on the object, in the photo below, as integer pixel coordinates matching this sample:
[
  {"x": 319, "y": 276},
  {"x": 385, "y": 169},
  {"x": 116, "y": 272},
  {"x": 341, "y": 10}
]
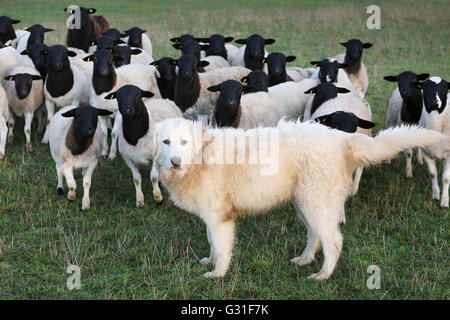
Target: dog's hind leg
[{"x": 356, "y": 180}]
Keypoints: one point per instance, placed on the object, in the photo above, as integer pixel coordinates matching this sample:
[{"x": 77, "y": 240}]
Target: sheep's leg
[
  {"x": 70, "y": 180},
  {"x": 60, "y": 175},
  {"x": 212, "y": 254},
  {"x": 431, "y": 163},
  {"x": 154, "y": 178},
  {"x": 87, "y": 175},
  {"x": 356, "y": 179},
  {"x": 104, "y": 127},
  {"x": 115, "y": 135},
  {"x": 445, "y": 182},
  {"x": 137, "y": 182},
  {"x": 40, "y": 113},
  {"x": 3, "y": 135},
  {"x": 11, "y": 123},
  {"x": 419, "y": 156},
  {"x": 50, "y": 106},
  {"x": 27, "y": 129},
  {"x": 408, "y": 154}
]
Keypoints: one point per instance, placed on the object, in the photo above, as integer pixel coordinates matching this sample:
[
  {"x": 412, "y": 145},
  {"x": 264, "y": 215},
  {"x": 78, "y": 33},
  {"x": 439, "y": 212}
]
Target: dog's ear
[{"x": 155, "y": 134}]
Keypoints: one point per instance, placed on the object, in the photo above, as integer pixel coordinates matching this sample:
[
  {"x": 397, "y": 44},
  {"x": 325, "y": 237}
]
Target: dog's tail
[{"x": 388, "y": 143}]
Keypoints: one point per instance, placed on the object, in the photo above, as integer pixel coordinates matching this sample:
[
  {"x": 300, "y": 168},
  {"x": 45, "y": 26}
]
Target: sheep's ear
[
  {"x": 111, "y": 96},
  {"x": 367, "y": 45},
  {"x": 176, "y": 39},
  {"x": 423, "y": 76},
  {"x": 343, "y": 44},
  {"x": 26, "y": 29},
  {"x": 92, "y": 10},
  {"x": 154, "y": 63},
  {"x": 342, "y": 90},
  {"x": 174, "y": 62},
  {"x": 244, "y": 80},
  {"x": 48, "y": 30},
  {"x": 25, "y": 52},
  {"x": 203, "y": 63},
  {"x": 136, "y": 51},
  {"x": 9, "y": 78},
  {"x": 202, "y": 39},
  {"x": 119, "y": 42},
  {"x": 365, "y": 124},
  {"x": 228, "y": 39},
  {"x": 342, "y": 65},
  {"x": 241, "y": 41},
  {"x": 316, "y": 63},
  {"x": 70, "y": 113},
  {"x": 147, "y": 94},
  {"x": 36, "y": 77},
  {"x": 391, "y": 78},
  {"x": 15, "y": 21},
  {"x": 269, "y": 41},
  {"x": 290, "y": 58},
  {"x": 89, "y": 58},
  {"x": 214, "y": 88},
  {"x": 177, "y": 46},
  {"x": 143, "y": 31},
  {"x": 44, "y": 52},
  {"x": 103, "y": 112},
  {"x": 263, "y": 60},
  {"x": 310, "y": 91},
  {"x": 71, "y": 53}
]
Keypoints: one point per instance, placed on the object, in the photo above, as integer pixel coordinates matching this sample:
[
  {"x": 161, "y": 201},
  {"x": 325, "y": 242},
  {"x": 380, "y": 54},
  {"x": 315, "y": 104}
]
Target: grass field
[{"x": 154, "y": 252}]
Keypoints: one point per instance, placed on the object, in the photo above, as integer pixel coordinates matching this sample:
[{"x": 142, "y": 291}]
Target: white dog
[{"x": 315, "y": 166}]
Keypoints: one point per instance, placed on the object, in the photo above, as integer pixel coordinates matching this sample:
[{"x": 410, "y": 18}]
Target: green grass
[{"x": 154, "y": 252}]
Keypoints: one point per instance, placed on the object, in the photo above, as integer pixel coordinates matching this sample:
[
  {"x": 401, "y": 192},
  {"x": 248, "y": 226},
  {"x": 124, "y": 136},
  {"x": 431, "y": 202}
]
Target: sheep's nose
[
  {"x": 90, "y": 131},
  {"x": 176, "y": 161}
]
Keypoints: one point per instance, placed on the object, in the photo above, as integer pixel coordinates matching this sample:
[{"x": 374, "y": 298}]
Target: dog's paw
[
  {"x": 213, "y": 274},
  {"x": 319, "y": 276},
  {"x": 301, "y": 261},
  {"x": 205, "y": 261}
]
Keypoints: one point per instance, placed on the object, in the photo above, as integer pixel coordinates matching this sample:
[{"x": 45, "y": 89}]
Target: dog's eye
[
  {"x": 183, "y": 142},
  {"x": 167, "y": 141}
]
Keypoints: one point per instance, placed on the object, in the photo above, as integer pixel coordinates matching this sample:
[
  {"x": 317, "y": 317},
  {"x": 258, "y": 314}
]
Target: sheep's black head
[
  {"x": 182, "y": 39},
  {"x": 254, "y": 50},
  {"x": 435, "y": 92},
  {"x": 256, "y": 81},
  {"x": 58, "y": 56},
  {"x": 329, "y": 69},
  {"x": 83, "y": 13},
  {"x": 216, "y": 45},
  {"x": 112, "y": 33},
  {"x": 105, "y": 42},
  {"x": 123, "y": 54},
  {"x": 6, "y": 29},
  {"x": 135, "y": 36},
  {"x": 40, "y": 61},
  {"x": 129, "y": 99},
  {"x": 408, "y": 83},
  {"x": 190, "y": 47},
  {"x": 354, "y": 48},
  {"x": 23, "y": 83},
  {"x": 85, "y": 119},
  {"x": 276, "y": 64},
  {"x": 187, "y": 66},
  {"x": 103, "y": 62},
  {"x": 323, "y": 92},
  {"x": 344, "y": 121},
  {"x": 228, "y": 102},
  {"x": 166, "y": 67},
  {"x": 37, "y": 32}
]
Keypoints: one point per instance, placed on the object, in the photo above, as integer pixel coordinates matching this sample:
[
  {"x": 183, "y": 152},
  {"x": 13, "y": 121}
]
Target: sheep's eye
[
  {"x": 167, "y": 141},
  {"x": 183, "y": 142}
]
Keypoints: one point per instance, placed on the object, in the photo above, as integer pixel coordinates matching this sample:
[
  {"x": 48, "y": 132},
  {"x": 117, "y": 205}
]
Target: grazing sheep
[
  {"x": 191, "y": 94},
  {"x": 90, "y": 27},
  {"x": 330, "y": 70},
  {"x": 136, "y": 37},
  {"x": 167, "y": 76},
  {"x": 7, "y": 32},
  {"x": 24, "y": 89},
  {"x": 75, "y": 143},
  {"x": 252, "y": 54},
  {"x": 356, "y": 70},
  {"x": 256, "y": 81},
  {"x": 35, "y": 35},
  {"x": 106, "y": 79},
  {"x": 276, "y": 65},
  {"x": 264, "y": 109},
  {"x": 311, "y": 166},
  {"x": 405, "y": 106},
  {"x": 4, "y": 116},
  {"x": 436, "y": 116},
  {"x": 135, "y": 135},
  {"x": 67, "y": 83},
  {"x": 321, "y": 93}
]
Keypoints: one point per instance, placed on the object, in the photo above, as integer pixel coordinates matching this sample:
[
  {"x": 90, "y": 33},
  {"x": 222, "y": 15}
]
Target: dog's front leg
[
  {"x": 212, "y": 254},
  {"x": 222, "y": 240}
]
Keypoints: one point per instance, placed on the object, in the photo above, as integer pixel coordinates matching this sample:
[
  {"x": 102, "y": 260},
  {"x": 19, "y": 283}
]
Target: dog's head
[{"x": 177, "y": 143}]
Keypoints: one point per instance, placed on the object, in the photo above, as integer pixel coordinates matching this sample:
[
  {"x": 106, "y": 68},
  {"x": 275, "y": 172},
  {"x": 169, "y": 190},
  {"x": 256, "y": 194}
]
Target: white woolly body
[
  {"x": 360, "y": 80},
  {"x": 4, "y": 115},
  {"x": 215, "y": 62}
]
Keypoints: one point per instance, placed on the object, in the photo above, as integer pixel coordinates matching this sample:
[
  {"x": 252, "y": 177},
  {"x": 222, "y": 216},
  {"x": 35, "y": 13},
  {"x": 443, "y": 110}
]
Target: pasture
[{"x": 154, "y": 252}]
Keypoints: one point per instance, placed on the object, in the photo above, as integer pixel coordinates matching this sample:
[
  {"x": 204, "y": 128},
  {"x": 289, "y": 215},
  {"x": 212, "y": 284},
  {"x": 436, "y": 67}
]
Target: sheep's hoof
[
  {"x": 444, "y": 203},
  {"x": 139, "y": 204},
  {"x": 60, "y": 191},
  {"x": 111, "y": 156},
  {"x": 29, "y": 148},
  {"x": 72, "y": 196}
]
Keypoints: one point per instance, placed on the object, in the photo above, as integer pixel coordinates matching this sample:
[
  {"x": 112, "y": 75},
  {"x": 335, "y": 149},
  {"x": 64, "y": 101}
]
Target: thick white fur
[
  {"x": 4, "y": 115},
  {"x": 66, "y": 162},
  {"x": 139, "y": 75},
  {"x": 231, "y": 52},
  {"x": 25, "y": 107},
  {"x": 439, "y": 122},
  {"x": 360, "y": 81},
  {"x": 343, "y": 80},
  {"x": 315, "y": 174},
  {"x": 11, "y": 58},
  {"x": 142, "y": 58},
  {"x": 142, "y": 153},
  {"x": 297, "y": 74},
  {"x": 215, "y": 62}
]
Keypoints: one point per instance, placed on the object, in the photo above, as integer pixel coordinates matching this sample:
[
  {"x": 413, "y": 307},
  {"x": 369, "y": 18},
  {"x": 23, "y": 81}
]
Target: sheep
[
  {"x": 135, "y": 140},
  {"x": 35, "y": 35},
  {"x": 215, "y": 62},
  {"x": 436, "y": 116},
  {"x": 9, "y": 58},
  {"x": 191, "y": 47},
  {"x": 405, "y": 106},
  {"x": 310, "y": 165},
  {"x": 7, "y": 32},
  {"x": 136, "y": 37},
  {"x": 4, "y": 116},
  {"x": 75, "y": 143},
  {"x": 90, "y": 27},
  {"x": 112, "y": 33},
  {"x": 24, "y": 89},
  {"x": 217, "y": 46},
  {"x": 344, "y": 121},
  {"x": 167, "y": 77},
  {"x": 252, "y": 54},
  {"x": 191, "y": 94},
  {"x": 103, "y": 42},
  {"x": 276, "y": 65},
  {"x": 256, "y": 81},
  {"x": 125, "y": 52},
  {"x": 330, "y": 70},
  {"x": 67, "y": 83},
  {"x": 361, "y": 109},
  {"x": 356, "y": 70},
  {"x": 286, "y": 100},
  {"x": 320, "y": 94},
  {"x": 40, "y": 61},
  {"x": 106, "y": 78}
]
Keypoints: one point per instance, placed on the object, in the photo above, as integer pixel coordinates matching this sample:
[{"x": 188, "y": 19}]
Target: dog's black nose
[{"x": 176, "y": 162}]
